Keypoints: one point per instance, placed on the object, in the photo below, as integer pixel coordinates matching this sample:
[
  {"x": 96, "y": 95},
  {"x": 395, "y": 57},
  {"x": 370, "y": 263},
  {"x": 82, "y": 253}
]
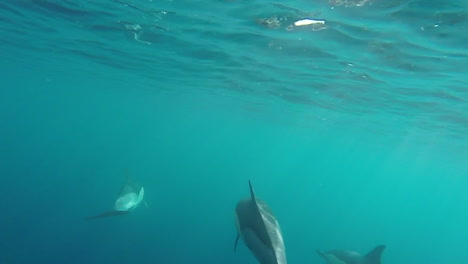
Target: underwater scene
[{"x": 234, "y": 132}]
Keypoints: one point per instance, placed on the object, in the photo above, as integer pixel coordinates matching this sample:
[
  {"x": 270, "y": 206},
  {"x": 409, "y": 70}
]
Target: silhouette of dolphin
[
  {"x": 260, "y": 231},
  {"x": 351, "y": 257},
  {"x": 129, "y": 198}
]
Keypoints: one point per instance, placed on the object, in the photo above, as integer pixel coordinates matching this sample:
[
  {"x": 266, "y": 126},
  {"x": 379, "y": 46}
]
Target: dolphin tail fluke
[
  {"x": 106, "y": 214},
  {"x": 235, "y": 243},
  {"x": 375, "y": 255}
]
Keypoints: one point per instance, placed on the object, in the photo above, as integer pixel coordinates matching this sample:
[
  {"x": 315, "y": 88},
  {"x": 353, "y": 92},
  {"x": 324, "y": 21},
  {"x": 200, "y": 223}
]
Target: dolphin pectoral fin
[
  {"x": 146, "y": 205},
  {"x": 235, "y": 243},
  {"x": 106, "y": 214},
  {"x": 374, "y": 257}
]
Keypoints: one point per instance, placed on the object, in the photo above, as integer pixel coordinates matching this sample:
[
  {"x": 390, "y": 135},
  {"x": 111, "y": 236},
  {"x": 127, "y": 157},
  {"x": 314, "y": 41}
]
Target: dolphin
[
  {"x": 130, "y": 196},
  {"x": 260, "y": 231},
  {"x": 351, "y": 257}
]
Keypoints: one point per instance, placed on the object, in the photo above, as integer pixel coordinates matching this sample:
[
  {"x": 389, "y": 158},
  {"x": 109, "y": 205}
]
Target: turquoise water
[{"x": 354, "y": 132}]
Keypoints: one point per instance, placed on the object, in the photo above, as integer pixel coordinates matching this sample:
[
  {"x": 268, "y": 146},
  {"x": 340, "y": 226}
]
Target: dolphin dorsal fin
[
  {"x": 375, "y": 255},
  {"x": 321, "y": 253},
  {"x": 252, "y": 194}
]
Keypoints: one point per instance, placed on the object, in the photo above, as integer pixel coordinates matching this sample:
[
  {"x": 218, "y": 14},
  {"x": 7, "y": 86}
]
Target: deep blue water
[{"x": 355, "y": 132}]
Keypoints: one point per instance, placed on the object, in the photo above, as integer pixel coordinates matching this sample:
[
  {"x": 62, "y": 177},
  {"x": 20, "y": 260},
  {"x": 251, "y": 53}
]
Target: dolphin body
[
  {"x": 130, "y": 197},
  {"x": 351, "y": 257},
  {"x": 260, "y": 231}
]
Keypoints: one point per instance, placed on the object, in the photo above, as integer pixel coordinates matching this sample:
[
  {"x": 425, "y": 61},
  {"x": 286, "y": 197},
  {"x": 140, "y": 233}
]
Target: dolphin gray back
[
  {"x": 345, "y": 256},
  {"x": 260, "y": 230},
  {"x": 351, "y": 257},
  {"x": 250, "y": 218},
  {"x": 257, "y": 218}
]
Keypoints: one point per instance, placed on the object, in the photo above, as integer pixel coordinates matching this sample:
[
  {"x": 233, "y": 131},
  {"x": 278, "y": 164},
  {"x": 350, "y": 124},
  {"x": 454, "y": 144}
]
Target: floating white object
[{"x": 305, "y": 22}]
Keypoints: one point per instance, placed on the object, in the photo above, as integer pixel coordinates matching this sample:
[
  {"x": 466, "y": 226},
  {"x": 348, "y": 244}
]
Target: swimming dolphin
[
  {"x": 130, "y": 197},
  {"x": 351, "y": 257},
  {"x": 260, "y": 231}
]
